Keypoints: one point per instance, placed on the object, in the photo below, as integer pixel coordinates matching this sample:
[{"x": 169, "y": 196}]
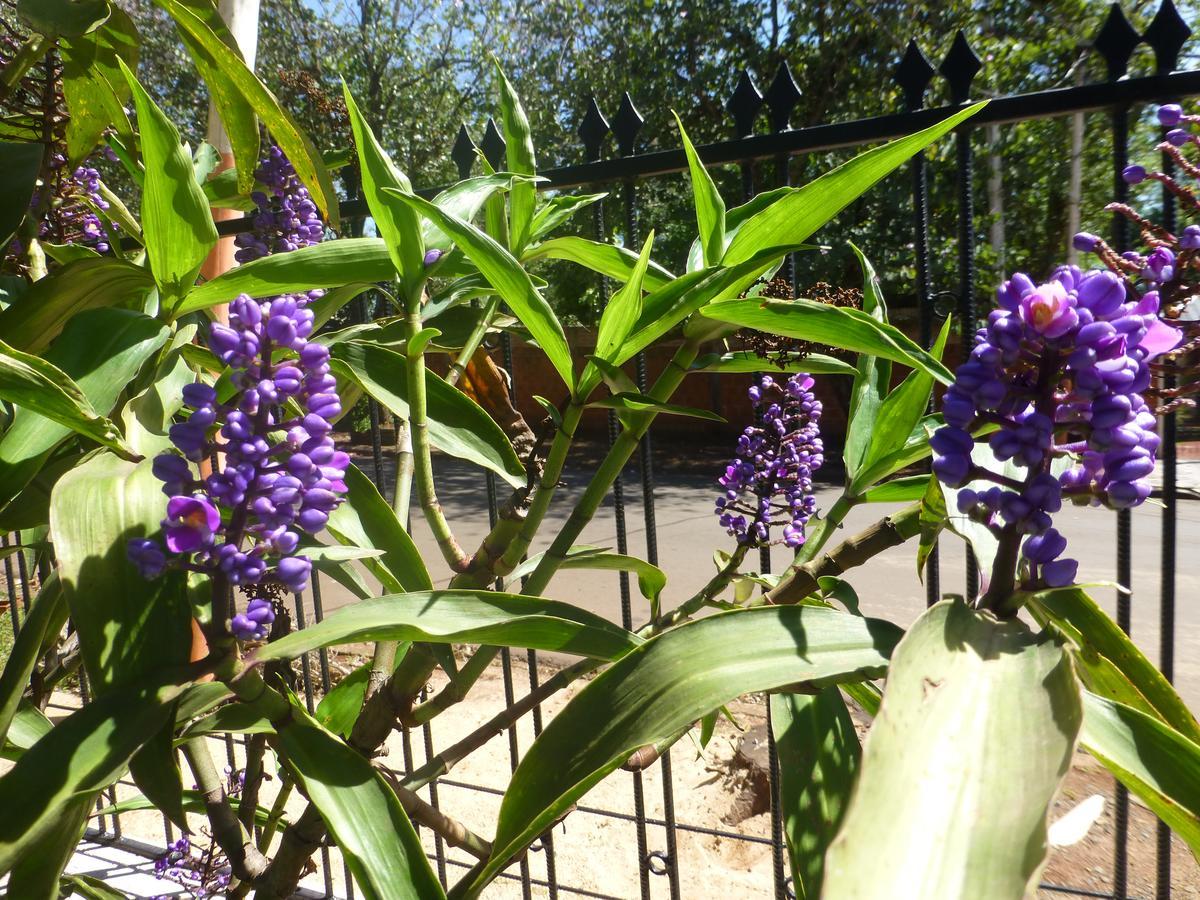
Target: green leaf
[
  {"x": 80, "y": 756},
  {"x": 46, "y": 617},
  {"x": 710, "y": 208},
  {"x": 396, "y": 223},
  {"x": 872, "y": 382},
  {"x": 128, "y": 626},
  {"x": 193, "y": 802},
  {"x": 339, "y": 709},
  {"x": 849, "y": 329},
  {"x": 38, "y": 317},
  {"x": 518, "y": 148},
  {"x": 28, "y": 726},
  {"x": 610, "y": 260},
  {"x": 296, "y": 146},
  {"x": 1100, "y": 640},
  {"x": 363, "y": 815},
  {"x": 63, "y": 18},
  {"x": 914, "y": 449},
  {"x": 509, "y": 279},
  {"x": 1157, "y": 763},
  {"x": 364, "y": 519},
  {"x": 232, "y": 718},
  {"x": 463, "y": 200},
  {"x": 796, "y": 215},
  {"x": 656, "y": 690},
  {"x": 237, "y": 117},
  {"x": 819, "y": 756},
  {"x": 20, "y": 164},
  {"x": 41, "y": 389},
  {"x": 91, "y": 888},
  {"x": 327, "y": 306},
  {"x": 663, "y": 309},
  {"x": 976, "y": 732},
  {"x": 620, "y": 314},
  {"x": 327, "y": 265},
  {"x": 898, "y": 490},
  {"x": 640, "y": 403},
  {"x": 94, "y": 90},
  {"x": 37, "y": 872},
  {"x": 457, "y": 424},
  {"x": 748, "y": 362},
  {"x": 176, "y": 222},
  {"x": 556, "y": 210},
  {"x": 651, "y": 579},
  {"x": 902, "y": 409},
  {"x": 155, "y": 770},
  {"x": 453, "y": 616}
]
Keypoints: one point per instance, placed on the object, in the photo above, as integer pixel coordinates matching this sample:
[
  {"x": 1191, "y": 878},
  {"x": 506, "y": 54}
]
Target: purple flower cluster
[
  {"x": 286, "y": 217},
  {"x": 281, "y": 475},
  {"x": 770, "y": 481},
  {"x": 1058, "y": 372},
  {"x": 202, "y": 873},
  {"x": 72, "y": 217}
]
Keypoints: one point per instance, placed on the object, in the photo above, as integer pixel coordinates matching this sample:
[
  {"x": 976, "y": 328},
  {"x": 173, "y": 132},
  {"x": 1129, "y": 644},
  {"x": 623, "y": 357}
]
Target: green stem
[
  {"x": 456, "y": 690},
  {"x": 404, "y": 473},
  {"x": 245, "y": 861},
  {"x": 29, "y": 53},
  {"x": 474, "y": 339},
  {"x": 819, "y": 536},
  {"x": 423, "y": 466},
  {"x": 697, "y": 601},
  {"x": 276, "y": 814},
  {"x": 800, "y": 581},
  {"x": 609, "y": 470}
]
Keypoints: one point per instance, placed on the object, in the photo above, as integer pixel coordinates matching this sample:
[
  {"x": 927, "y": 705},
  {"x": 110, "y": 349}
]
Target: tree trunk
[
  {"x": 995, "y": 192},
  {"x": 1075, "y": 180}
]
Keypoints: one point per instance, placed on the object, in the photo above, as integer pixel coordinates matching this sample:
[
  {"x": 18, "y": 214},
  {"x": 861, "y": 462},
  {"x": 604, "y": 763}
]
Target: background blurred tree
[{"x": 420, "y": 69}]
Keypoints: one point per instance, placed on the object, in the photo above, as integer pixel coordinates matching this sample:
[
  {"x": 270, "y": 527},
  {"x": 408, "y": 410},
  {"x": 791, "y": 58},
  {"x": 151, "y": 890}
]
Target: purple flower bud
[
  {"x": 1085, "y": 242},
  {"x": 1134, "y": 174},
  {"x": 147, "y": 556},
  {"x": 190, "y": 523},
  {"x": 1177, "y": 137},
  {"x": 432, "y": 256},
  {"x": 294, "y": 571},
  {"x": 1170, "y": 114}
]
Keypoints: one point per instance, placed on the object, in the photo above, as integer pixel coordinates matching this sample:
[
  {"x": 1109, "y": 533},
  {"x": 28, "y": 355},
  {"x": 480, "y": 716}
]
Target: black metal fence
[{"x": 1118, "y": 96}]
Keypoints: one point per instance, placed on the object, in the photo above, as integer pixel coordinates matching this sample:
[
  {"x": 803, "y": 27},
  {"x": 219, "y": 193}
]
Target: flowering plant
[{"x": 184, "y": 430}]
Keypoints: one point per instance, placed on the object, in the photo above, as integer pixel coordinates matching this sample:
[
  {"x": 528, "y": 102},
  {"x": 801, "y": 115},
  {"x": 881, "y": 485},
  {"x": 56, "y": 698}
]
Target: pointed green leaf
[
  {"x": 873, "y": 380},
  {"x": 361, "y": 810},
  {"x": 395, "y": 222},
  {"x": 556, "y": 210},
  {"x": 463, "y": 200},
  {"x": 296, "y": 146},
  {"x": 176, "y": 221},
  {"x": 127, "y": 626},
  {"x": 518, "y": 147},
  {"x": 20, "y": 163},
  {"x": 710, "y": 208},
  {"x": 38, "y": 317},
  {"x": 609, "y": 260},
  {"x": 640, "y": 403},
  {"x": 451, "y": 616},
  {"x": 796, "y": 215},
  {"x": 364, "y": 519},
  {"x": 819, "y": 757},
  {"x": 651, "y": 579},
  {"x": 509, "y": 279},
  {"x": 1155, "y": 762},
  {"x": 46, "y": 617},
  {"x": 653, "y": 692},
  {"x": 747, "y": 362},
  {"x": 457, "y": 424},
  {"x": 93, "y": 88},
  {"x": 976, "y": 732}
]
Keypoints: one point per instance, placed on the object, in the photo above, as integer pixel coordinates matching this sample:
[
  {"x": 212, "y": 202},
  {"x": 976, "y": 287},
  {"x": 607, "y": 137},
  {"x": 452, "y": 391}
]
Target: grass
[{"x": 6, "y": 638}]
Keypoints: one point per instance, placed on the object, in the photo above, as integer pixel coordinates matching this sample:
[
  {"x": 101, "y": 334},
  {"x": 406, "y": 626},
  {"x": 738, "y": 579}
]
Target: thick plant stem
[
  {"x": 800, "y": 581},
  {"x": 455, "y": 833},
  {"x": 245, "y": 861},
  {"x": 422, "y": 463},
  {"x": 474, "y": 339},
  {"x": 248, "y": 804},
  {"x": 300, "y": 841},
  {"x": 609, "y": 470}
]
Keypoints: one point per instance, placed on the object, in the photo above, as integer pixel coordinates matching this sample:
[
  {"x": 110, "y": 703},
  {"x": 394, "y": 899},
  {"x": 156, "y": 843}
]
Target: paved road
[{"x": 888, "y": 587}]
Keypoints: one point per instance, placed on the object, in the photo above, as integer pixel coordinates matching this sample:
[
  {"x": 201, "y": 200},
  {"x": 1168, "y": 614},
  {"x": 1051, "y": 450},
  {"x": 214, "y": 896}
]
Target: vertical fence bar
[
  {"x": 626, "y": 125},
  {"x": 959, "y": 68},
  {"x": 1167, "y": 34},
  {"x": 10, "y": 578},
  {"x": 913, "y": 74}
]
